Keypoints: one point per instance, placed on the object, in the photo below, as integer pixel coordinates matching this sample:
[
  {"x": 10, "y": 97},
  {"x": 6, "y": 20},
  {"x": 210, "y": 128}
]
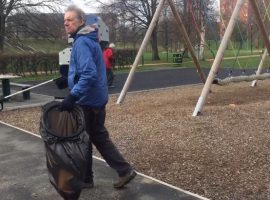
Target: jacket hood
[{"x": 89, "y": 31}]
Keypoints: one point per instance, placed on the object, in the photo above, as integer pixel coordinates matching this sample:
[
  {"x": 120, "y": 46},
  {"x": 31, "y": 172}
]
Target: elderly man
[{"x": 88, "y": 88}]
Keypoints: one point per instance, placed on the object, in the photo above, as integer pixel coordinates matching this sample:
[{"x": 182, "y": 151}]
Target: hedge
[
  {"x": 124, "y": 57},
  {"x": 29, "y": 64},
  {"x": 41, "y": 63}
]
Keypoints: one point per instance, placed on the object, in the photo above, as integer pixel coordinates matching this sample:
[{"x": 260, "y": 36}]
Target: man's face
[{"x": 71, "y": 22}]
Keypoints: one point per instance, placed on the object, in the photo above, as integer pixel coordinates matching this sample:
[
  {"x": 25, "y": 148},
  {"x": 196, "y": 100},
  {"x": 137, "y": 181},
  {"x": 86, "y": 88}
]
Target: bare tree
[
  {"x": 198, "y": 16},
  {"x": 138, "y": 15},
  {"x": 203, "y": 12},
  {"x": 9, "y": 8},
  {"x": 35, "y": 25}
]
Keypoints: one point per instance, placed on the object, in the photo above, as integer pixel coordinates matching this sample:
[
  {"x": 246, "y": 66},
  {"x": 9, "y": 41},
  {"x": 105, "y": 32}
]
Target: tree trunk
[
  {"x": 187, "y": 20},
  {"x": 2, "y": 33},
  {"x": 154, "y": 41},
  {"x": 202, "y": 42}
]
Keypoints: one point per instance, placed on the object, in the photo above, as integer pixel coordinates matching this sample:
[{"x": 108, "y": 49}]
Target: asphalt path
[
  {"x": 24, "y": 175},
  {"x": 147, "y": 80}
]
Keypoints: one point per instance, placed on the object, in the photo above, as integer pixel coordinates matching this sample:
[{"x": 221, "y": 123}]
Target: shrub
[
  {"x": 29, "y": 63},
  {"x": 124, "y": 57}
]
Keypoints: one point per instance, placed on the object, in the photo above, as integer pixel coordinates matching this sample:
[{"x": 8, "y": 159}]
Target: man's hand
[{"x": 68, "y": 103}]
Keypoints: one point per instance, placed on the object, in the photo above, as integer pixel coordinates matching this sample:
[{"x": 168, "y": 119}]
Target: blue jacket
[{"x": 87, "y": 72}]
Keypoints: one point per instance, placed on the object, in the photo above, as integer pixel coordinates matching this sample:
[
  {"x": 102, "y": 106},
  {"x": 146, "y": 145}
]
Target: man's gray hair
[{"x": 80, "y": 13}]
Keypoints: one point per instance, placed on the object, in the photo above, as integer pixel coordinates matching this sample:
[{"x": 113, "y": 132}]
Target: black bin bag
[{"x": 67, "y": 148}]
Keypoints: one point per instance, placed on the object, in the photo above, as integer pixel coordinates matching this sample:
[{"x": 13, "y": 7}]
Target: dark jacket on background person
[{"x": 87, "y": 77}]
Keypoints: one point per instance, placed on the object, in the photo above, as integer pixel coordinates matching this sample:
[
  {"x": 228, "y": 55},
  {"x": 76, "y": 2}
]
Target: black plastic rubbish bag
[{"x": 67, "y": 148}]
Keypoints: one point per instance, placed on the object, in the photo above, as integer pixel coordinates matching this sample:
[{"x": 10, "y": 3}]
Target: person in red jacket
[{"x": 108, "y": 55}]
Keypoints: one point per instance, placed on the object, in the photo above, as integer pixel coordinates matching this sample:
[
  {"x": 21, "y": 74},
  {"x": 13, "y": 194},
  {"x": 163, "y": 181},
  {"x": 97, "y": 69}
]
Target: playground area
[
  {"x": 215, "y": 145},
  {"x": 222, "y": 154}
]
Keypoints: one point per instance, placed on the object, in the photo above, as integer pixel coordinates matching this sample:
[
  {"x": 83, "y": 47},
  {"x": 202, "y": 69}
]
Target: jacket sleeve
[
  {"x": 85, "y": 68},
  {"x": 110, "y": 54}
]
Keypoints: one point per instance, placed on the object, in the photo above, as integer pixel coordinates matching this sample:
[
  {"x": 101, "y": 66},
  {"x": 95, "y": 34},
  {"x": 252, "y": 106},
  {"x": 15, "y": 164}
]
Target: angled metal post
[
  {"x": 265, "y": 37},
  {"x": 182, "y": 30},
  {"x": 140, "y": 52},
  {"x": 260, "y": 22},
  {"x": 260, "y": 67},
  {"x": 218, "y": 58}
]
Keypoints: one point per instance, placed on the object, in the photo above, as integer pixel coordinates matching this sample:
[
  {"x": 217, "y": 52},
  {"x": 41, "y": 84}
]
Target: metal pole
[
  {"x": 184, "y": 34},
  {"x": 140, "y": 52},
  {"x": 260, "y": 67},
  {"x": 260, "y": 22},
  {"x": 218, "y": 58},
  {"x": 30, "y": 88}
]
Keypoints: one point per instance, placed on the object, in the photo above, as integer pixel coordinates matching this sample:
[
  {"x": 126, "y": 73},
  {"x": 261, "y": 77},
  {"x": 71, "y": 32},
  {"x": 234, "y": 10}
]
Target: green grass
[
  {"x": 42, "y": 77},
  {"x": 43, "y": 45},
  {"x": 48, "y": 46},
  {"x": 148, "y": 64},
  {"x": 232, "y": 63}
]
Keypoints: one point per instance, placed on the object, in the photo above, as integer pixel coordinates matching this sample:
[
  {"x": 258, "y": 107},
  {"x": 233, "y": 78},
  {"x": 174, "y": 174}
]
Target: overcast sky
[
  {"x": 91, "y": 7},
  {"x": 88, "y": 6}
]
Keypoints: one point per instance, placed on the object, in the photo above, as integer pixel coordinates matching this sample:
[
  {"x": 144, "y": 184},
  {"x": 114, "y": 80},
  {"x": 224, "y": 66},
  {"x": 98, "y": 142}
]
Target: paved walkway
[
  {"x": 148, "y": 80},
  {"x": 17, "y": 101},
  {"x": 23, "y": 175}
]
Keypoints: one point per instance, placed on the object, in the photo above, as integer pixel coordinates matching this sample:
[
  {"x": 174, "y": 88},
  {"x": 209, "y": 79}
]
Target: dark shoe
[
  {"x": 123, "y": 180},
  {"x": 87, "y": 185}
]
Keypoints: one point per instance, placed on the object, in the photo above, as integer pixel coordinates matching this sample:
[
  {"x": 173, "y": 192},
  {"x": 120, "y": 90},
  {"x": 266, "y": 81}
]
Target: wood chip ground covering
[{"x": 223, "y": 154}]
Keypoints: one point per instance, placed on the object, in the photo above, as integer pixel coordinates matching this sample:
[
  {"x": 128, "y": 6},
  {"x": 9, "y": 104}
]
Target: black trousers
[
  {"x": 99, "y": 136},
  {"x": 110, "y": 76}
]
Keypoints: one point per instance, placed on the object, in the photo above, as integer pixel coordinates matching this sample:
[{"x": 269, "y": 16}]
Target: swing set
[
  {"x": 182, "y": 36},
  {"x": 217, "y": 61},
  {"x": 243, "y": 77},
  {"x": 211, "y": 78}
]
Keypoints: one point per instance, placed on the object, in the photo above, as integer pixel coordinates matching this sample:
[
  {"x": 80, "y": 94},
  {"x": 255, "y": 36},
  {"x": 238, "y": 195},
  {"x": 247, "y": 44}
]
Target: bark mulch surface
[{"x": 222, "y": 154}]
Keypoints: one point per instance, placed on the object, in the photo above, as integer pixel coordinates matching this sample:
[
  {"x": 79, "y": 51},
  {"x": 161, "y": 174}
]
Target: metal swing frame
[
  {"x": 222, "y": 48},
  {"x": 183, "y": 36}
]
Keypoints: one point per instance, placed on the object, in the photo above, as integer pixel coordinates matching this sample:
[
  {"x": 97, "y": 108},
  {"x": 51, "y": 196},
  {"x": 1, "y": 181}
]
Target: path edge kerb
[{"x": 141, "y": 174}]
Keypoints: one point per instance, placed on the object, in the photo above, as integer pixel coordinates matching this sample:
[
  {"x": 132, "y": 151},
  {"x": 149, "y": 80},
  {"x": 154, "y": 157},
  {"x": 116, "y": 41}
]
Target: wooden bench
[{"x": 26, "y": 94}]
